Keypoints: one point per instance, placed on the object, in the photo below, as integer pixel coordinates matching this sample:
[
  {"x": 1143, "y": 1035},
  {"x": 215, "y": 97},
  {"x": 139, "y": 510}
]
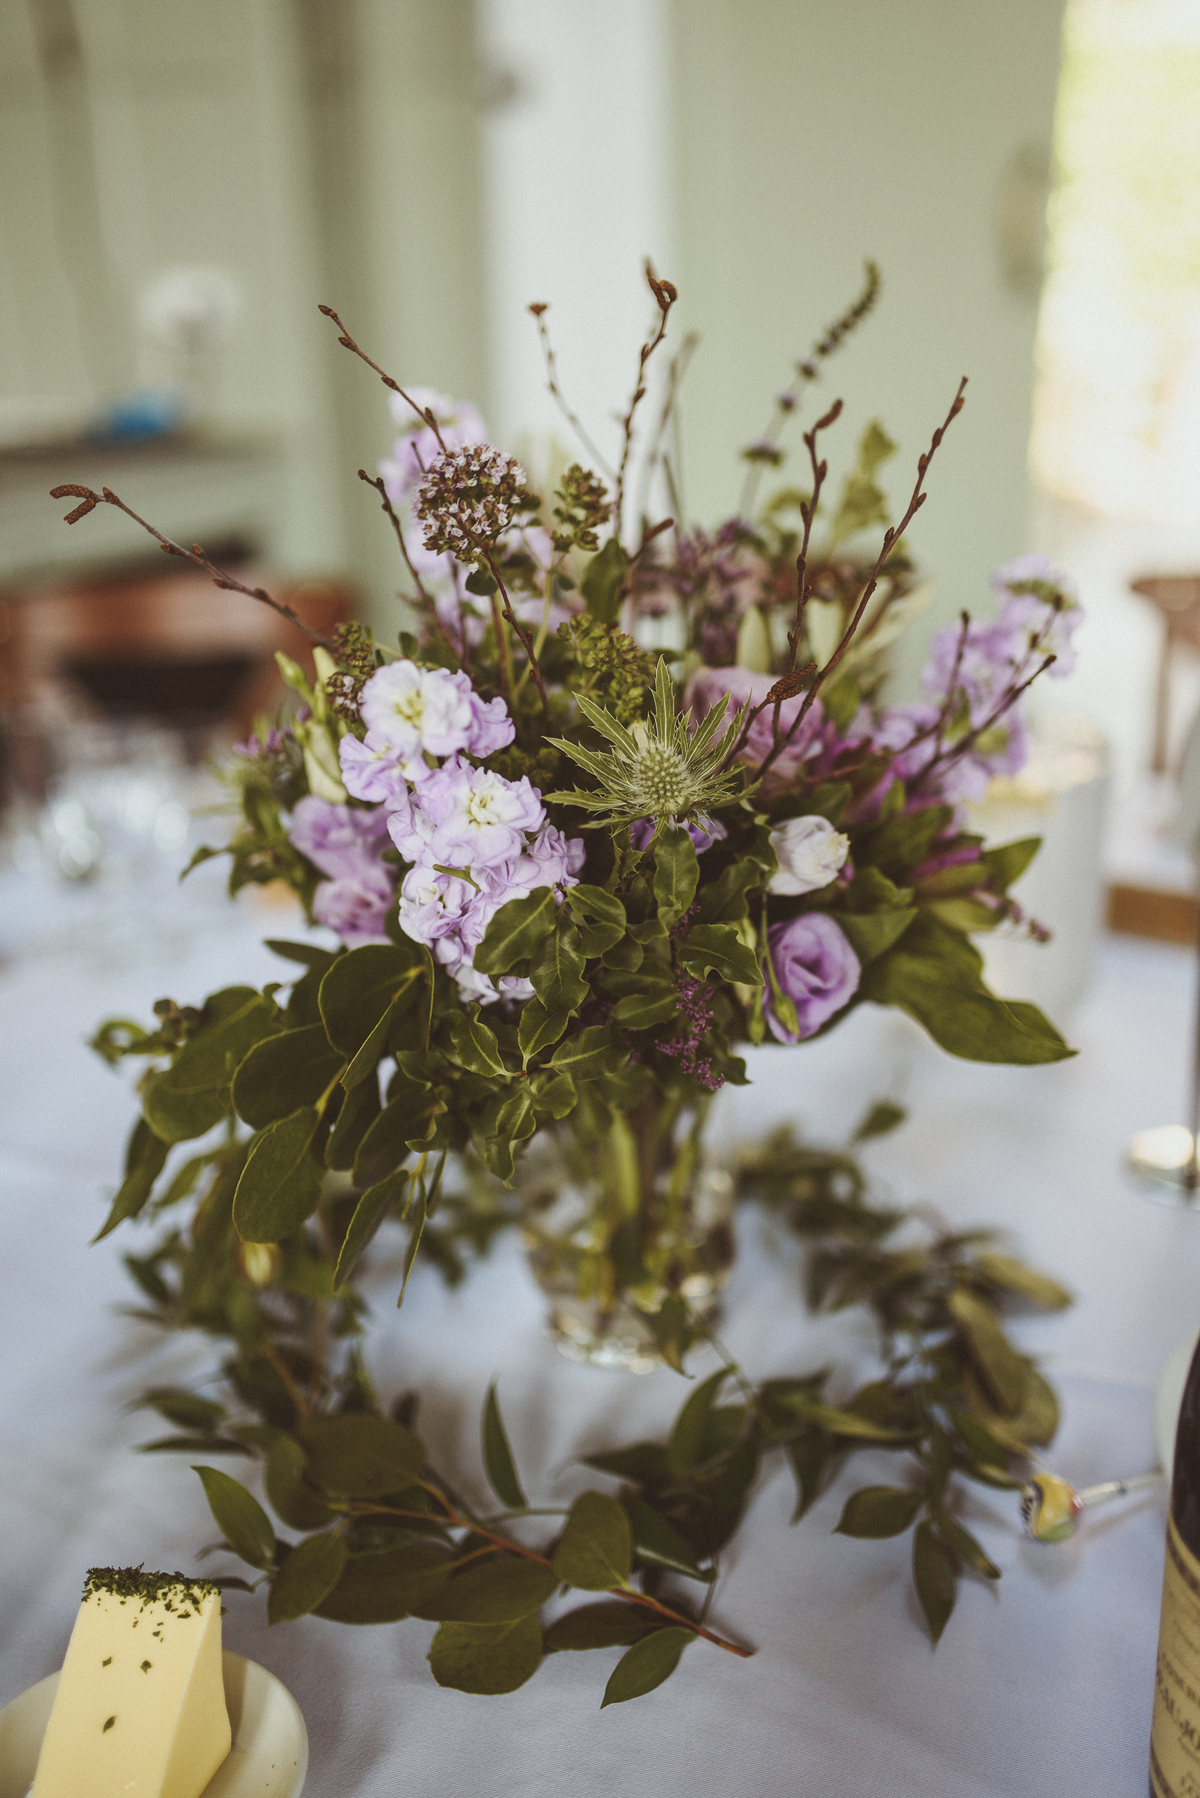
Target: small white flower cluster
[{"x": 468, "y": 499}]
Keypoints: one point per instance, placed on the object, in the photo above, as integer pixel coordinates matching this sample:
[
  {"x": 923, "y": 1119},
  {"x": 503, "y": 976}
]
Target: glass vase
[{"x": 617, "y": 1224}]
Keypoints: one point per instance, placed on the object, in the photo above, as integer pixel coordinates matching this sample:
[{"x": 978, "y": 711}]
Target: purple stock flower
[
  {"x": 469, "y": 817},
  {"x": 356, "y": 908},
  {"x": 816, "y": 969},
  {"x": 343, "y": 841}
]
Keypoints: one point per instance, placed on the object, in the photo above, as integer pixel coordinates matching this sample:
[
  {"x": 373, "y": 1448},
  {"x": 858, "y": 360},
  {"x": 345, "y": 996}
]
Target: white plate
[
  {"x": 269, "y": 1757},
  {"x": 1168, "y": 1396}
]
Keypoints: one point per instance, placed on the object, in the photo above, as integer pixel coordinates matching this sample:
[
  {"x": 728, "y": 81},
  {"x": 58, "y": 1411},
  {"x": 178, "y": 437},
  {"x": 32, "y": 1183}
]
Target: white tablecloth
[{"x": 1043, "y": 1684}]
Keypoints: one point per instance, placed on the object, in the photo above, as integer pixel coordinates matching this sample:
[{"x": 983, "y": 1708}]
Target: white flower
[
  {"x": 809, "y": 851},
  {"x": 417, "y": 711}
]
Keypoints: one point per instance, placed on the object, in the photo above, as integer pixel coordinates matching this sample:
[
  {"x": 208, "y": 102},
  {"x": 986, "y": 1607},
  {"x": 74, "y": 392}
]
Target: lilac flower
[
  {"x": 341, "y": 840},
  {"x": 356, "y": 907},
  {"x": 417, "y": 446},
  {"x": 981, "y": 661},
  {"x": 704, "y": 832},
  {"x": 413, "y": 711},
  {"x": 467, "y": 817},
  {"x": 816, "y": 969},
  {"x": 373, "y": 771},
  {"x": 1030, "y": 587}
]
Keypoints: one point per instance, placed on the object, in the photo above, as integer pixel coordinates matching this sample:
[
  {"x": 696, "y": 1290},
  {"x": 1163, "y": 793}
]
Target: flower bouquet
[{"x": 628, "y": 798}]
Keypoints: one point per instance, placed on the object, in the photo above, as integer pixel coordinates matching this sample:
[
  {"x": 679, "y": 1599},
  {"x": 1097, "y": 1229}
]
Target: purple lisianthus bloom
[
  {"x": 355, "y": 907},
  {"x": 343, "y": 841},
  {"x": 704, "y": 832},
  {"x": 816, "y": 969}
]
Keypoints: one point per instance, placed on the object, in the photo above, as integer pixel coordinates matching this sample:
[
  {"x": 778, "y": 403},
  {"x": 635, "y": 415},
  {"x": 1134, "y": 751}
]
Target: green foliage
[{"x": 604, "y": 581}]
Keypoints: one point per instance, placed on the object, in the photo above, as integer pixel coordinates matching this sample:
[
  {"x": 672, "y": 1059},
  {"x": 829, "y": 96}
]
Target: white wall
[
  {"x": 810, "y": 136},
  {"x": 576, "y": 170}
]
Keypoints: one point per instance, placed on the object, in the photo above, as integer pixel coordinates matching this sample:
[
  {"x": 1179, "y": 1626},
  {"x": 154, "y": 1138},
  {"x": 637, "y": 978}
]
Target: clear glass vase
[{"x": 616, "y": 1225}]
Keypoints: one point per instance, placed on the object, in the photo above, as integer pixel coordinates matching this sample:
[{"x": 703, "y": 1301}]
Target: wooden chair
[{"x": 1177, "y": 599}]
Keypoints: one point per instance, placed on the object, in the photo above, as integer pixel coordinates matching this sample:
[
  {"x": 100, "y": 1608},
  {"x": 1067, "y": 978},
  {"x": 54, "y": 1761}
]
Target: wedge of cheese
[{"x": 140, "y": 1708}]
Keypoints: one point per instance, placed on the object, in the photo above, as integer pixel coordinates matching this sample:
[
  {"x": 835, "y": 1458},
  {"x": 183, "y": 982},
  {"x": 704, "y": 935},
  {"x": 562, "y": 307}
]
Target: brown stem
[
  {"x": 539, "y": 309},
  {"x": 271, "y": 1353},
  {"x": 424, "y": 593},
  {"x": 530, "y": 1554},
  {"x": 424, "y": 413},
  {"x": 525, "y": 639},
  {"x": 88, "y": 503},
  {"x": 960, "y": 748},
  {"x": 890, "y": 537},
  {"x": 675, "y": 373},
  {"x": 665, "y": 296}
]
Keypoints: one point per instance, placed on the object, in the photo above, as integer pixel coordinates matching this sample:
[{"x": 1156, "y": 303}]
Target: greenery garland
[{"x": 381, "y": 1535}]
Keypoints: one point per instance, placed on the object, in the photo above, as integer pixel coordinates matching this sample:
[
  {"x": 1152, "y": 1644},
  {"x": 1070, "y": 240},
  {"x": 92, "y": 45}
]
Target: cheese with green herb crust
[{"x": 140, "y": 1707}]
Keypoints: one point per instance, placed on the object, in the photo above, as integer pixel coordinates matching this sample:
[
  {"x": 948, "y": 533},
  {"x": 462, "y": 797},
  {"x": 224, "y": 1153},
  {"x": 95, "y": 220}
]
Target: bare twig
[
  {"x": 425, "y": 413},
  {"x": 539, "y": 308},
  {"x": 88, "y": 501},
  {"x": 423, "y": 591},
  {"x": 806, "y": 371},
  {"x": 945, "y": 758},
  {"x": 890, "y": 538},
  {"x": 665, "y": 296},
  {"x": 675, "y": 372}
]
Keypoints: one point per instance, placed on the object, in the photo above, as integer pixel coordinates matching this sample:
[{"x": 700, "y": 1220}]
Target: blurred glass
[{"x": 118, "y": 808}]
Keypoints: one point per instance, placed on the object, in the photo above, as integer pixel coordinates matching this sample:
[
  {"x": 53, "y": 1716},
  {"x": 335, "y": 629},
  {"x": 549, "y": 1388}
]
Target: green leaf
[
  {"x": 641, "y": 1011},
  {"x": 687, "y": 1437},
  {"x": 1008, "y": 861},
  {"x": 980, "y": 1442},
  {"x": 962, "y": 1543},
  {"x": 556, "y": 970},
  {"x": 145, "y": 1158},
  {"x": 405, "y": 1119},
  {"x": 603, "y": 580},
  {"x": 369, "y": 1213},
  {"x": 933, "y": 1575},
  {"x": 719, "y": 948},
  {"x": 589, "y": 1053},
  {"x": 538, "y": 1028},
  {"x": 847, "y": 1423},
  {"x": 1014, "y": 1276},
  {"x": 559, "y": 1096},
  {"x": 600, "y": 917},
  {"x": 676, "y": 874},
  {"x": 595, "y": 1551},
  {"x": 187, "y": 1410},
  {"x": 658, "y": 1543},
  {"x": 282, "y": 1073},
  {"x": 292, "y": 1499},
  {"x": 876, "y": 1511},
  {"x": 808, "y": 1455},
  {"x": 488, "y": 1658},
  {"x": 361, "y": 988},
  {"x": 360, "y": 1108},
  {"x": 497, "y": 1455},
  {"x": 610, "y": 1624},
  {"x": 239, "y": 1517},
  {"x": 383, "y": 1588},
  {"x": 963, "y": 1019},
  {"x": 1005, "y": 1373},
  {"x": 190, "y": 1096},
  {"x": 280, "y": 1183},
  {"x": 471, "y": 1045},
  {"x": 360, "y": 1456},
  {"x": 516, "y": 930},
  {"x": 871, "y": 934},
  {"x": 309, "y": 955},
  {"x": 723, "y": 901},
  {"x": 307, "y": 1576},
  {"x": 500, "y": 1589},
  {"x": 646, "y": 1665},
  {"x": 883, "y": 1117}
]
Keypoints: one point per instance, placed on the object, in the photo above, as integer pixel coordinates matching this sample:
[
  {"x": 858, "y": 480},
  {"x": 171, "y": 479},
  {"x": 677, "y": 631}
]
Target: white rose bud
[{"x": 809, "y": 851}]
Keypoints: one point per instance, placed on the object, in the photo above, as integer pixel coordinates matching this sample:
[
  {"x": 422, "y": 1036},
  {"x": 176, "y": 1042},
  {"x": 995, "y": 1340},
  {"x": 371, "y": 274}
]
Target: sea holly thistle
[{"x": 660, "y": 768}]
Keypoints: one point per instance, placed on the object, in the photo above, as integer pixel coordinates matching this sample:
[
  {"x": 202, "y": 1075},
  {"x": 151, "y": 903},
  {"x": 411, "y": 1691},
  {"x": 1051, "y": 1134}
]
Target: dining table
[{"x": 1042, "y": 1681}]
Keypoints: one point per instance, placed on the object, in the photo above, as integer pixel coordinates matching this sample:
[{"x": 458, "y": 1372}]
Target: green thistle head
[{"x": 660, "y": 769}]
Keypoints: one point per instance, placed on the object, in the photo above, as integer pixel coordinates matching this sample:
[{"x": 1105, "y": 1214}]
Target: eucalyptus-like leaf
[
  {"x": 611, "y": 1623},
  {"x": 876, "y": 1511},
  {"x": 145, "y": 1159},
  {"x": 239, "y": 1517},
  {"x": 307, "y": 1576},
  {"x": 190, "y": 1096},
  {"x": 281, "y": 1182},
  {"x": 291, "y": 1497},
  {"x": 500, "y": 1589},
  {"x": 933, "y": 1575},
  {"x": 488, "y": 1658},
  {"x": 283, "y": 1072},
  {"x": 687, "y": 1437},
  {"x": 359, "y": 1456},
  {"x": 497, "y": 1455},
  {"x": 369, "y": 1213},
  {"x": 646, "y": 1665},
  {"x": 658, "y": 1543},
  {"x": 382, "y": 1588},
  {"x": 595, "y": 1551},
  {"x": 961, "y": 1542},
  {"x": 1005, "y": 1372}
]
